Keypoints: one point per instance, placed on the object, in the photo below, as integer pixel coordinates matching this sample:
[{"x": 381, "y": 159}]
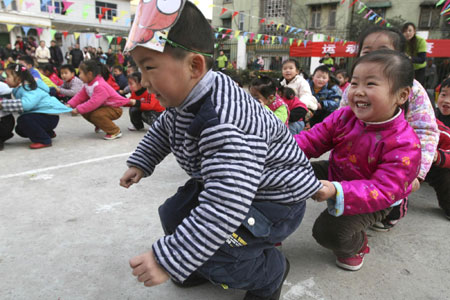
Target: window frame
[
  {"x": 316, "y": 11},
  {"x": 108, "y": 14}
]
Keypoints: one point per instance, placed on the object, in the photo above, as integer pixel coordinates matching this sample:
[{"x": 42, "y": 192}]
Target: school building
[{"x": 321, "y": 19}]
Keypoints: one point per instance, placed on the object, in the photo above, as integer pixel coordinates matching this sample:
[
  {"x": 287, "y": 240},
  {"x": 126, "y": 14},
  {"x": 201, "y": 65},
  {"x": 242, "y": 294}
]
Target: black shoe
[
  {"x": 446, "y": 212},
  {"x": 193, "y": 280},
  {"x": 276, "y": 295}
]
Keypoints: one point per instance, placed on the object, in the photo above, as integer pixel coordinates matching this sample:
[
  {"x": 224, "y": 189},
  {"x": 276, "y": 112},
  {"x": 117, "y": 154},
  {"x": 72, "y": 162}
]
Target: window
[
  {"x": 12, "y": 6},
  {"x": 332, "y": 16},
  {"x": 58, "y": 7},
  {"x": 109, "y": 14},
  {"x": 226, "y": 23},
  {"x": 381, "y": 11},
  {"x": 429, "y": 17},
  {"x": 241, "y": 20},
  {"x": 315, "y": 16},
  {"x": 276, "y": 8}
]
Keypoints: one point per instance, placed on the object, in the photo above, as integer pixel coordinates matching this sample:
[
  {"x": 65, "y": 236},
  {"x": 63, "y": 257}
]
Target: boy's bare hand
[
  {"x": 326, "y": 192},
  {"x": 131, "y": 176},
  {"x": 147, "y": 270}
]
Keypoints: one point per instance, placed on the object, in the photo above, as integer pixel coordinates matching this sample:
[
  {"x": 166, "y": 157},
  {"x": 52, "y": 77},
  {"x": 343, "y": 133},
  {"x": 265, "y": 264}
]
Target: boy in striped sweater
[{"x": 249, "y": 180}]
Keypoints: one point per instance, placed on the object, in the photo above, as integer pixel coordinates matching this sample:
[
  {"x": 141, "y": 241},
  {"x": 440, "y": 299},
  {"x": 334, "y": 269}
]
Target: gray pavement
[{"x": 67, "y": 231}]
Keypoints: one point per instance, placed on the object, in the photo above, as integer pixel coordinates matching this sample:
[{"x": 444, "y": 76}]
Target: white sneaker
[
  {"x": 132, "y": 128},
  {"x": 113, "y": 136}
]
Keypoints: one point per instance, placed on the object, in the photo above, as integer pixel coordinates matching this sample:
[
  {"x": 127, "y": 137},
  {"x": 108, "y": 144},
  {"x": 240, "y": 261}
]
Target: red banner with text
[{"x": 435, "y": 48}]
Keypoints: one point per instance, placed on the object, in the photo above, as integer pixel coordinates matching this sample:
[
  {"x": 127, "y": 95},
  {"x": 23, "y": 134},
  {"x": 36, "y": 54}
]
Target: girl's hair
[
  {"x": 24, "y": 76},
  {"x": 342, "y": 72},
  {"x": 136, "y": 76},
  {"x": 104, "y": 71},
  {"x": 396, "y": 37},
  {"x": 290, "y": 60},
  {"x": 48, "y": 68},
  {"x": 396, "y": 66},
  {"x": 265, "y": 85},
  {"x": 286, "y": 92},
  {"x": 91, "y": 66},
  {"x": 412, "y": 42}
]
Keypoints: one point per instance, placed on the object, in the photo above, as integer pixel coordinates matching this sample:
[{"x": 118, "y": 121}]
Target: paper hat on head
[{"x": 152, "y": 23}]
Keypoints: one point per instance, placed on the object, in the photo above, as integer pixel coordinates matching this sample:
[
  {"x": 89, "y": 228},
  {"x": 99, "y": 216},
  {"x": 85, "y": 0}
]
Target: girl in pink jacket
[
  {"x": 97, "y": 101},
  {"x": 374, "y": 159}
]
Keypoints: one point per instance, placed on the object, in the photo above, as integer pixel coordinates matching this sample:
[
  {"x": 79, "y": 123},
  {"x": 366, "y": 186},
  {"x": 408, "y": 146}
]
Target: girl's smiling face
[
  {"x": 370, "y": 95},
  {"x": 289, "y": 71}
]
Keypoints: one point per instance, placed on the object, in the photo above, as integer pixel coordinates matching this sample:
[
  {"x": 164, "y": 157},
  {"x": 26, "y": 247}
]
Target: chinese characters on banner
[{"x": 435, "y": 48}]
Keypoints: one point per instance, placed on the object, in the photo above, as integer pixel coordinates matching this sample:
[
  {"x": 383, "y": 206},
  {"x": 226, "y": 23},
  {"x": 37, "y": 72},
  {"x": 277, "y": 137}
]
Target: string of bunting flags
[
  {"x": 266, "y": 38},
  {"x": 67, "y": 9},
  {"x": 89, "y": 35},
  {"x": 445, "y": 8},
  {"x": 252, "y": 37},
  {"x": 369, "y": 13}
]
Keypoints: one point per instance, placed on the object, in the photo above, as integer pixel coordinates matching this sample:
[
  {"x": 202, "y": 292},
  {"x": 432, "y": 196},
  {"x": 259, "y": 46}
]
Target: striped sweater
[{"x": 242, "y": 154}]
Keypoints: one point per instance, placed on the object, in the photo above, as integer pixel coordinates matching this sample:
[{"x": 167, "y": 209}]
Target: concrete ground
[{"x": 67, "y": 231}]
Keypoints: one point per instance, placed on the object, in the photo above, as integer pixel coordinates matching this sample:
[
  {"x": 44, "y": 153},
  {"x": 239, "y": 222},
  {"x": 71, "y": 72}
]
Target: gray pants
[{"x": 343, "y": 235}]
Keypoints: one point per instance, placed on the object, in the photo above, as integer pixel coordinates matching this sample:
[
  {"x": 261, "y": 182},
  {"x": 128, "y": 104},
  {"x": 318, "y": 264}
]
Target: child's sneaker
[
  {"x": 132, "y": 128},
  {"x": 355, "y": 262},
  {"x": 384, "y": 226},
  {"x": 113, "y": 136},
  {"x": 97, "y": 129},
  {"x": 39, "y": 145}
]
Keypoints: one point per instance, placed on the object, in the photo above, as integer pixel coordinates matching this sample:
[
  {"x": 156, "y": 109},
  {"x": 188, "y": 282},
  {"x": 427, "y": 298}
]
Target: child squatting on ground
[
  {"x": 375, "y": 155},
  {"x": 38, "y": 110},
  {"x": 222, "y": 225},
  {"x": 264, "y": 90},
  {"x": 97, "y": 101},
  {"x": 144, "y": 105},
  {"x": 419, "y": 114},
  {"x": 439, "y": 175}
]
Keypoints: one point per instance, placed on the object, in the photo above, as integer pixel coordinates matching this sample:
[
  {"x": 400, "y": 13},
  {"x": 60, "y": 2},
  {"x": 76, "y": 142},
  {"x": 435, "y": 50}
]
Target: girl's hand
[
  {"x": 75, "y": 112},
  {"x": 415, "y": 185},
  {"x": 132, "y": 102},
  {"x": 328, "y": 191}
]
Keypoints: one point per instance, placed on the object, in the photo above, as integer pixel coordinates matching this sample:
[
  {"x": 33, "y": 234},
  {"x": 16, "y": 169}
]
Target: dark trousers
[
  {"x": 37, "y": 127},
  {"x": 6, "y": 127},
  {"x": 439, "y": 179},
  {"x": 419, "y": 75},
  {"x": 138, "y": 117},
  {"x": 248, "y": 260},
  {"x": 343, "y": 235}
]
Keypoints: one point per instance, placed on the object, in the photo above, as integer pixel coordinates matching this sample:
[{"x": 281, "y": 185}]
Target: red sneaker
[
  {"x": 355, "y": 262},
  {"x": 39, "y": 145},
  {"x": 97, "y": 129}
]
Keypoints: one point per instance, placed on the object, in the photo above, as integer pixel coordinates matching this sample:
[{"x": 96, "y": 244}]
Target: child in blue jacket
[
  {"x": 328, "y": 97},
  {"x": 38, "y": 110}
]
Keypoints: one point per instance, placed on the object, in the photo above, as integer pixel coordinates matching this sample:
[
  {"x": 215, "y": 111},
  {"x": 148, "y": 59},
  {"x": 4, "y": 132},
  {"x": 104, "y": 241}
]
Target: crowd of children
[
  {"x": 247, "y": 153},
  {"x": 38, "y": 95}
]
